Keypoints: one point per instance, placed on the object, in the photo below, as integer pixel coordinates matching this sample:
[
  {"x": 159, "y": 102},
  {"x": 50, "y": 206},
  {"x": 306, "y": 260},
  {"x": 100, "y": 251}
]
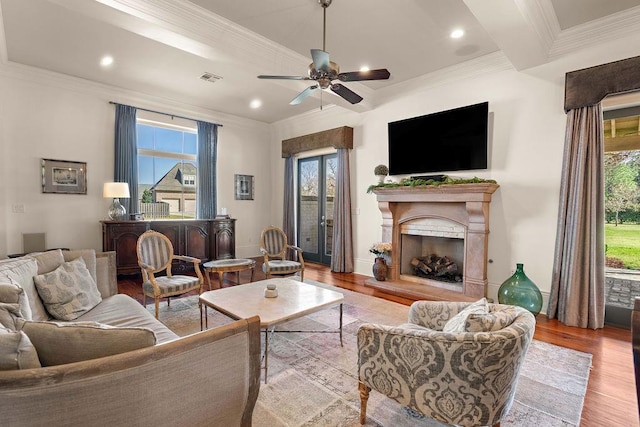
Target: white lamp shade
[{"x": 115, "y": 189}]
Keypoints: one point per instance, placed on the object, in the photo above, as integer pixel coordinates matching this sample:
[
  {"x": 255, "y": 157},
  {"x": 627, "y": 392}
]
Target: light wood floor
[{"x": 611, "y": 394}]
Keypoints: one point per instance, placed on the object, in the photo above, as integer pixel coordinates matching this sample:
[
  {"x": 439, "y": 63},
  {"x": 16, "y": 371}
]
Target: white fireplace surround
[{"x": 457, "y": 211}]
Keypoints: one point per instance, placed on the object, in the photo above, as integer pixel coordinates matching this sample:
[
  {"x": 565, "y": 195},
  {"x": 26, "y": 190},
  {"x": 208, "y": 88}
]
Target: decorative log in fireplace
[
  {"x": 436, "y": 267},
  {"x": 464, "y": 205}
]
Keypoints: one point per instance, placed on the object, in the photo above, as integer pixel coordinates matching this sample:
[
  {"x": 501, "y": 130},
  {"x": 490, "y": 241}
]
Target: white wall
[
  {"x": 44, "y": 115},
  {"x": 527, "y": 125}
]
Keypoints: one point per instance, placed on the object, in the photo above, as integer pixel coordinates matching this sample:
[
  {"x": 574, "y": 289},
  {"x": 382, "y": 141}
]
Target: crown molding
[
  {"x": 34, "y": 75},
  {"x": 542, "y": 18},
  {"x": 619, "y": 25}
]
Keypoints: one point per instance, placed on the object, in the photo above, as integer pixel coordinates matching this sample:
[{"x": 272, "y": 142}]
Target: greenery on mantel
[{"x": 411, "y": 182}]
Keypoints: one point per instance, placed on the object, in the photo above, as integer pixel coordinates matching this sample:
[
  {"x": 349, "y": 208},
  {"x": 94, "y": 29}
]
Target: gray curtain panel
[
  {"x": 126, "y": 154},
  {"x": 206, "y": 184},
  {"x": 577, "y": 288},
  {"x": 342, "y": 255},
  {"x": 288, "y": 213}
]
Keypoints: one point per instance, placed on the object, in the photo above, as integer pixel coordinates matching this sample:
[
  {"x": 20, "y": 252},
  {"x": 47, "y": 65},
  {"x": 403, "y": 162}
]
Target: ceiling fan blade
[
  {"x": 354, "y": 76},
  {"x": 346, "y": 93},
  {"x": 303, "y": 95},
  {"x": 320, "y": 59},
  {"x": 284, "y": 77}
]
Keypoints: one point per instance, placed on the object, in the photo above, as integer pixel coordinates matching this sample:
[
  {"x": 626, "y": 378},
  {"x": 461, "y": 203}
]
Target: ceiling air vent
[{"x": 210, "y": 77}]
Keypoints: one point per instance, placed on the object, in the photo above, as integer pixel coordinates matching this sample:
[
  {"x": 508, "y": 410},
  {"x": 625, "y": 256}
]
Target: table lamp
[{"x": 116, "y": 212}]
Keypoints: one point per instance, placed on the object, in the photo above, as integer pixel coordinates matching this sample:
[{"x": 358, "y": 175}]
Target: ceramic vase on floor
[
  {"x": 521, "y": 291},
  {"x": 380, "y": 269}
]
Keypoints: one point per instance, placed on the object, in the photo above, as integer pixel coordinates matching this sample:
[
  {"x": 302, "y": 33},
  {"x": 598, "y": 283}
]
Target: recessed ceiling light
[
  {"x": 457, "y": 33},
  {"x": 106, "y": 60},
  {"x": 364, "y": 68},
  {"x": 256, "y": 103}
]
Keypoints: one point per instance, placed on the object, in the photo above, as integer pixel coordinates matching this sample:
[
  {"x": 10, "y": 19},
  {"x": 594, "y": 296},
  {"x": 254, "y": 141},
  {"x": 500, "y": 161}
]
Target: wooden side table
[{"x": 228, "y": 265}]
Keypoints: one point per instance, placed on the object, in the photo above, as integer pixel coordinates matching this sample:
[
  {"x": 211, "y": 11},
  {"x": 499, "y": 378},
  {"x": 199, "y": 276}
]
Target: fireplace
[{"x": 449, "y": 221}]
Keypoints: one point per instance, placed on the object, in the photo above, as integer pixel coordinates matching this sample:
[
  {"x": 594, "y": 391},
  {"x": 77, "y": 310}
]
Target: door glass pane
[
  {"x": 331, "y": 167},
  {"x": 309, "y": 184}
]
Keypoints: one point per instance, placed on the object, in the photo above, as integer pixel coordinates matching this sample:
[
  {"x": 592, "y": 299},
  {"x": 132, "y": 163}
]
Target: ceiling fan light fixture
[{"x": 324, "y": 71}]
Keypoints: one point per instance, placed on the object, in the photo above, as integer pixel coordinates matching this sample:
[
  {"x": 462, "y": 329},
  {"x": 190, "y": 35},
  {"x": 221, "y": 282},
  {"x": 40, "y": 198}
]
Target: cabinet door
[
  {"x": 224, "y": 242},
  {"x": 197, "y": 239},
  {"x": 173, "y": 231},
  {"x": 122, "y": 238}
]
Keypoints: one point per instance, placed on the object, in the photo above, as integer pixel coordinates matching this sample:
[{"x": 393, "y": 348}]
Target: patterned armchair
[
  {"x": 458, "y": 378},
  {"x": 155, "y": 254},
  {"x": 274, "y": 248}
]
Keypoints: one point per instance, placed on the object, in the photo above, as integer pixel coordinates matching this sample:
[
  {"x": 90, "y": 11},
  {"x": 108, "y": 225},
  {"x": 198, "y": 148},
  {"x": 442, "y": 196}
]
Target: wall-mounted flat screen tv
[{"x": 452, "y": 140}]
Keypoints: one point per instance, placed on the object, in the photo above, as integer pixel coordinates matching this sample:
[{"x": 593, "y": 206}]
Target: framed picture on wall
[
  {"x": 63, "y": 176},
  {"x": 244, "y": 187}
]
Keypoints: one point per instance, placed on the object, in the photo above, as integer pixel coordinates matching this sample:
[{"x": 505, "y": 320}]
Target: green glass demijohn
[{"x": 521, "y": 291}]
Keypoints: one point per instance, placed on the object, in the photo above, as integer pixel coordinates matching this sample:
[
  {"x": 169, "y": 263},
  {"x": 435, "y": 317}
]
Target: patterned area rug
[{"x": 313, "y": 380}]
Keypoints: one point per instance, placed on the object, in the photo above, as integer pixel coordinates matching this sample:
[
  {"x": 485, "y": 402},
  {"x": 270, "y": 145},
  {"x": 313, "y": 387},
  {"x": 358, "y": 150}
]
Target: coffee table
[
  {"x": 295, "y": 299},
  {"x": 222, "y": 266}
]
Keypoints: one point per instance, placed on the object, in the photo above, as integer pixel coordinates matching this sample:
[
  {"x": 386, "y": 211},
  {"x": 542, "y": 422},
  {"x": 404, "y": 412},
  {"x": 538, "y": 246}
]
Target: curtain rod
[{"x": 160, "y": 112}]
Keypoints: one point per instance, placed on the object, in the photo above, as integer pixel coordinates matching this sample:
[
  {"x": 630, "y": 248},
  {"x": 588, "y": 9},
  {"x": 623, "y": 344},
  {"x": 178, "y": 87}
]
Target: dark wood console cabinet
[{"x": 206, "y": 239}]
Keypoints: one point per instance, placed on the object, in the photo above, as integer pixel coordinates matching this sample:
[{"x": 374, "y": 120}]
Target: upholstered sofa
[{"x": 105, "y": 360}]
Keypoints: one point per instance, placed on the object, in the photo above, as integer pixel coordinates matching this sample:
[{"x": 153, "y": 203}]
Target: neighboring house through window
[{"x": 167, "y": 168}]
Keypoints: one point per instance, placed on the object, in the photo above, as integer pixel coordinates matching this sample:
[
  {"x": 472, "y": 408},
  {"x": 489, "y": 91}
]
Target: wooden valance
[
  {"x": 590, "y": 85},
  {"x": 337, "y": 138}
]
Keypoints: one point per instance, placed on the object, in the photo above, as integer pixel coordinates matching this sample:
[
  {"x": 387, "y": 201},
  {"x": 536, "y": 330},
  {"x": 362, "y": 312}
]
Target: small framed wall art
[
  {"x": 64, "y": 177},
  {"x": 244, "y": 187}
]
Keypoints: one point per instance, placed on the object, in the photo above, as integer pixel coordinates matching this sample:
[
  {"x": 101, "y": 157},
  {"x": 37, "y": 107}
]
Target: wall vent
[{"x": 210, "y": 77}]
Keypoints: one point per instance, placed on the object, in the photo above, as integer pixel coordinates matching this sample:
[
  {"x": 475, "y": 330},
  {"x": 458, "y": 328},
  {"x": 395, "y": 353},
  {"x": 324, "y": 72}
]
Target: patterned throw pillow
[
  {"x": 58, "y": 343},
  {"x": 68, "y": 291},
  {"x": 457, "y": 323},
  {"x": 491, "y": 322}
]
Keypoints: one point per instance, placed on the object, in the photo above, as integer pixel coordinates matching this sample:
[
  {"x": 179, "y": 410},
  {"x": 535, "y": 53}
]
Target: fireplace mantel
[{"x": 464, "y": 204}]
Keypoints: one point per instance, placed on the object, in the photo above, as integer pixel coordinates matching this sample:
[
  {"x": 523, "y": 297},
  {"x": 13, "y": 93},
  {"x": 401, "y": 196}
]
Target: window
[{"x": 167, "y": 170}]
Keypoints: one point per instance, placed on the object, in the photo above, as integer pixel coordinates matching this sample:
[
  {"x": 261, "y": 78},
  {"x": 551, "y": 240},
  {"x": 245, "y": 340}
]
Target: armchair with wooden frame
[
  {"x": 274, "y": 248},
  {"x": 155, "y": 254}
]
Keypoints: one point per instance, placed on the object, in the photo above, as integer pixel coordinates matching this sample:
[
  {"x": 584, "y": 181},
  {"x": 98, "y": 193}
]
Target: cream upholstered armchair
[
  {"x": 458, "y": 378},
  {"x": 155, "y": 254},
  {"x": 274, "y": 248}
]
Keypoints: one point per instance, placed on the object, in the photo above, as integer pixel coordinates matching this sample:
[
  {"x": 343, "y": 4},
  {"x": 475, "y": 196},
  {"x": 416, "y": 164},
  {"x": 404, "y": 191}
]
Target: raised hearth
[{"x": 452, "y": 218}]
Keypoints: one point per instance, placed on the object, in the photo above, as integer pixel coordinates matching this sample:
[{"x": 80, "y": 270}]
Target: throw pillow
[
  {"x": 16, "y": 351},
  {"x": 58, "y": 343},
  {"x": 12, "y": 293},
  {"x": 47, "y": 261},
  {"x": 491, "y": 322},
  {"x": 457, "y": 323},
  {"x": 68, "y": 291},
  {"x": 22, "y": 270},
  {"x": 9, "y": 313}
]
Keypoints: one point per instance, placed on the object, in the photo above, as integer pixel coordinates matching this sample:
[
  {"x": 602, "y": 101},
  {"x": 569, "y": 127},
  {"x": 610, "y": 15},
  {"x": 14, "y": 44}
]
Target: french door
[{"x": 316, "y": 191}]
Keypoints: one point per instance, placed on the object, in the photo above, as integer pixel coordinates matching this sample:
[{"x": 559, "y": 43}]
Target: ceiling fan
[{"x": 324, "y": 72}]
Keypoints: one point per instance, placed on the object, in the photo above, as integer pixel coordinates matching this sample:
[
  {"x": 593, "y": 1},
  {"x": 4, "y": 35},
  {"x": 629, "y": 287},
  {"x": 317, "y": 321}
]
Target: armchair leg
[
  {"x": 364, "y": 396},
  {"x": 157, "y": 307}
]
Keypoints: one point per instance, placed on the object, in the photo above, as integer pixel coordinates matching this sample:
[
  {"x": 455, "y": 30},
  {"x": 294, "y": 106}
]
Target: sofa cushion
[
  {"x": 58, "y": 343},
  {"x": 16, "y": 351},
  {"x": 12, "y": 293},
  {"x": 22, "y": 270},
  {"x": 492, "y": 321},
  {"x": 123, "y": 311},
  {"x": 457, "y": 323},
  {"x": 68, "y": 291}
]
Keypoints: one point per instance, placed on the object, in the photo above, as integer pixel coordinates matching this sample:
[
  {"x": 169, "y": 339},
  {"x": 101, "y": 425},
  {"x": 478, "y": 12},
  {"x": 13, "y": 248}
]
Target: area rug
[{"x": 313, "y": 380}]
